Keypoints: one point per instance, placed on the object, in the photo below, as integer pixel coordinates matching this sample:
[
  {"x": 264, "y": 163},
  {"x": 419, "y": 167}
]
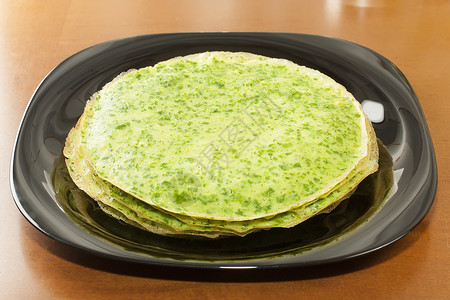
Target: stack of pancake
[{"x": 219, "y": 144}]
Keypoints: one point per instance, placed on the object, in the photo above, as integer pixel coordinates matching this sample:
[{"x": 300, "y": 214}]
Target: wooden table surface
[{"x": 36, "y": 35}]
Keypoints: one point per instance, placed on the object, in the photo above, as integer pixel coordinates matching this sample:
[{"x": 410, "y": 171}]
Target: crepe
[{"x": 221, "y": 143}]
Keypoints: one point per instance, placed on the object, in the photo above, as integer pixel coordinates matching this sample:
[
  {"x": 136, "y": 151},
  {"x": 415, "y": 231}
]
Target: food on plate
[{"x": 220, "y": 143}]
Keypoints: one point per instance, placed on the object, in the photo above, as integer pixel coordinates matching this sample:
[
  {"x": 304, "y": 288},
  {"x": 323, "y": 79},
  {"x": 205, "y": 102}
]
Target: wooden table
[{"x": 37, "y": 35}]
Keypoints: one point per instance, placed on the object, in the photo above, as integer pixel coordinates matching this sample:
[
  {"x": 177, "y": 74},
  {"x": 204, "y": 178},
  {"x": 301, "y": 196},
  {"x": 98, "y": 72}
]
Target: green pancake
[
  {"x": 225, "y": 136},
  {"x": 295, "y": 145}
]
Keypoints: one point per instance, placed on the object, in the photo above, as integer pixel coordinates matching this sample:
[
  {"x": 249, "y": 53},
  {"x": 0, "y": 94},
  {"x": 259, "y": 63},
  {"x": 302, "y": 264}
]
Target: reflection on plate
[{"x": 59, "y": 101}]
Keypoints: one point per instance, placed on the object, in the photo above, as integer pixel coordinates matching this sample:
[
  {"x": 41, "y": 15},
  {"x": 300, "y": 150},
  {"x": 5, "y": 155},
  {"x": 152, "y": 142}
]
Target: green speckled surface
[{"x": 224, "y": 138}]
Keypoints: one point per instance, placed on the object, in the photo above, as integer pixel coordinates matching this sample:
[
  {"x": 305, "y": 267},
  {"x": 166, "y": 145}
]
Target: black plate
[{"x": 59, "y": 101}]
